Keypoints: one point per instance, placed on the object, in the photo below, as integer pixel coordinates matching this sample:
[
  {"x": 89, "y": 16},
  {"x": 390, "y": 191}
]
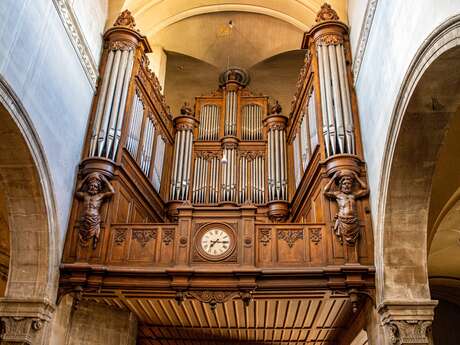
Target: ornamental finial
[
  {"x": 125, "y": 19},
  {"x": 326, "y": 13}
]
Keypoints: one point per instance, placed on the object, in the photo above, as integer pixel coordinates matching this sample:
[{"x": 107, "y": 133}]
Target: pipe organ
[
  {"x": 237, "y": 153},
  {"x": 229, "y": 200}
]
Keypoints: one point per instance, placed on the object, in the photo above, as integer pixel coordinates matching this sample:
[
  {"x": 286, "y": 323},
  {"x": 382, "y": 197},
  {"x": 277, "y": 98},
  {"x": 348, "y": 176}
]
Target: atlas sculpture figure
[
  {"x": 91, "y": 191},
  {"x": 346, "y": 225}
]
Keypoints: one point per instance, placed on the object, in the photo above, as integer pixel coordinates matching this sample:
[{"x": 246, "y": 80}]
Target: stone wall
[{"x": 41, "y": 65}]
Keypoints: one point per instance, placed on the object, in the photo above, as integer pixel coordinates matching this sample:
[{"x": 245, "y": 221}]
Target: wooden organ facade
[{"x": 230, "y": 205}]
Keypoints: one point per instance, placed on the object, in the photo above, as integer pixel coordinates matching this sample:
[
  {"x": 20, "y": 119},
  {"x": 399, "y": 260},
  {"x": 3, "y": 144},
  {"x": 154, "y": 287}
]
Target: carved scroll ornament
[
  {"x": 326, "y": 13},
  {"x": 125, "y": 19},
  {"x": 93, "y": 190},
  {"x": 346, "y": 226}
]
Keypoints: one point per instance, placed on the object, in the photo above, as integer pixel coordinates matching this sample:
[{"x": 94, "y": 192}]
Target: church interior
[{"x": 209, "y": 172}]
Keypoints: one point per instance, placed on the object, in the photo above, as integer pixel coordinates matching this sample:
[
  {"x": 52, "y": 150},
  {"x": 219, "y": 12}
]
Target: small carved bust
[
  {"x": 91, "y": 191},
  {"x": 346, "y": 225},
  {"x": 186, "y": 109},
  {"x": 276, "y": 108}
]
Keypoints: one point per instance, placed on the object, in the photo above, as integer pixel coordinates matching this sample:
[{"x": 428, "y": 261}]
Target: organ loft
[{"x": 234, "y": 220}]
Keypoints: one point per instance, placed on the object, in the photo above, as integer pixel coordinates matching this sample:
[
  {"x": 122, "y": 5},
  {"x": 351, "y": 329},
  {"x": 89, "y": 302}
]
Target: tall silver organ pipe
[
  {"x": 147, "y": 146},
  {"x": 251, "y": 177},
  {"x": 111, "y": 104},
  {"x": 277, "y": 163},
  {"x": 228, "y": 192},
  {"x": 209, "y": 122},
  {"x": 134, "y": 132},
  {"x": 252, "y": 122},
  {"x": 180, "y": 179},
  {"x": 338, "y": 128},
  {"x": 231, "y": 108}
]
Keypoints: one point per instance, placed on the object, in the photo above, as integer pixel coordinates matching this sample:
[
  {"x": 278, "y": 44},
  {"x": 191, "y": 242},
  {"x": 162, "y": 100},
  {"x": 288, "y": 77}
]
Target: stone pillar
[
  {"x": 97, "y": 324},
  {"x": 25, "y": 322},
  {"x": 408, "y": 322}
]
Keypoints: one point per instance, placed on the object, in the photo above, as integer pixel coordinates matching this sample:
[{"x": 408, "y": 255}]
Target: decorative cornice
[
  {"x": 363, "y": 37},
  {"x": 73, "y": 29}
]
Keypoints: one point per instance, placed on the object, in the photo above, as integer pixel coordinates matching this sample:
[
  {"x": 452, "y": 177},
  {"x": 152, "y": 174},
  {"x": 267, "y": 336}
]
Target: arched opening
[
  {"x": 28, "y": 238},
  {"x": 417, "y": 242}
]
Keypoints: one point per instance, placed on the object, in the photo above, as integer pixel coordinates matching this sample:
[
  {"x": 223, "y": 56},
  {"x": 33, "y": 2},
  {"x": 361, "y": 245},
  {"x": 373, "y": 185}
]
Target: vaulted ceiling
[{"x": 202, "y": 37}]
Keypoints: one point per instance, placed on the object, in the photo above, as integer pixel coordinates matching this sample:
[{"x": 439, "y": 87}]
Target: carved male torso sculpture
[
  {"x": 90, "y": 191},
  {"x": 346, "y": 225}
]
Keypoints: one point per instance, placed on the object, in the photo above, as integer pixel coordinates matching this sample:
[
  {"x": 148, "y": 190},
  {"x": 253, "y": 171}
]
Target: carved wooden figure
[
  {"x": 346, "y": 225},
  {"x": 91, "y": 191}
]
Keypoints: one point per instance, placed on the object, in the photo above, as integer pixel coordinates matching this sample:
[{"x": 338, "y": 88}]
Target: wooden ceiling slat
[{"x": 168, "y": 313}]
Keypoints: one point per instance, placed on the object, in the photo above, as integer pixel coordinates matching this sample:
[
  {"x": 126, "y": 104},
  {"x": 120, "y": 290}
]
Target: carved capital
[
  {"x": 20, "y": 330},
  {"x": 407, "y": 323},
  {"x": 121, "y": 45},
  {"x": 23, "y": 321},
  {"x": 330, "y": 39}
]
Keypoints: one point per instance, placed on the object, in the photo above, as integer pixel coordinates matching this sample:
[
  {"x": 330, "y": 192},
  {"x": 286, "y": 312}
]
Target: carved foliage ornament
[
  {"x": 290, "y": 236},
  {"x": 121, "y": 45},
  {"x": 265, "y": 236},
  {"x": 144, "y": 236},
  {"x": 168, "y": 236},
  {"x": 326, "y": 13},
  {"x": 120, "y": 236},
  {"x": 409, "y": 332},
  {"x": 315, "y": 235},
  {"x": 330, "y": 39},
  {"x": 125, "y": 19}
]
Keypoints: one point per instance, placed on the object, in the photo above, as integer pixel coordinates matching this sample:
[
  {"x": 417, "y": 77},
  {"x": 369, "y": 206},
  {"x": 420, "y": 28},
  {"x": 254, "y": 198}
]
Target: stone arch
[
  {"x": 26, "y": 184},
  {"x": 417, "y": 127}
]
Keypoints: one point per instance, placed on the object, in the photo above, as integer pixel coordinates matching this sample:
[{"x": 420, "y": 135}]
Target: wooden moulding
[
  {"x": 278, "y": 210},
  {"x": 343, "y": 162},
  {"x": 185, "y": 121},
  {"x": 97, "y": 164}
]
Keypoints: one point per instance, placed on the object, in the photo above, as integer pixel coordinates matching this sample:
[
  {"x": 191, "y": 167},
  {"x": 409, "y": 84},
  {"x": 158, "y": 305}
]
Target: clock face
[{"x": 216, "y": 242}]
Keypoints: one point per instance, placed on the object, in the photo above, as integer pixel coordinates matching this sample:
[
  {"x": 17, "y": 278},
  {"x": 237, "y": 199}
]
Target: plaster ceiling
[
  {"x": 187, "y": 78},
  {"x": 153, "y": 16}
]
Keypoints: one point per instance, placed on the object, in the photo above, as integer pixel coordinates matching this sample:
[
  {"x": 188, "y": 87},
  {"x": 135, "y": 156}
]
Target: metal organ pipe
[
  {"x": 335, "y": 97},
  {"x": 111, "y": 104}
]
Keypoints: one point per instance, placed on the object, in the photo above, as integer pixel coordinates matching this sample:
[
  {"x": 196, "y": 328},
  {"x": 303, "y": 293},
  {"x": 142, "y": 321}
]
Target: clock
[{"x": 215, "y": 242}]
